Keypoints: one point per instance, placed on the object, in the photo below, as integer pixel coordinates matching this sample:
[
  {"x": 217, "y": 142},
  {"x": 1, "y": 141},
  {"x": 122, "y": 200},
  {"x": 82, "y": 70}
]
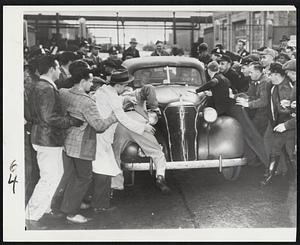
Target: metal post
[
  {"x": 36, "y": 31},
  {"x": 123, "y": 35},
  {"x": 174, "y": 29},
  {"x": 165, "y": 33},
  {"x": 192, "y": 35},
  {"x": 222, "y": 32},
  {"x": 118, "y": 29},
  {"x": 57, "y": 24}
]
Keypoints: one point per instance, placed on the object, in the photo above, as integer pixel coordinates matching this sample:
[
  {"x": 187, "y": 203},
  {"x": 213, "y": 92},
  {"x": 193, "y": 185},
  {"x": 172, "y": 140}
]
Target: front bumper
[{"x": 215, "y": 163}]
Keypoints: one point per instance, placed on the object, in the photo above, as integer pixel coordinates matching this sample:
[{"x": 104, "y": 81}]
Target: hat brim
[
  {"x": 130, "y": 79},
  {"x": 133, "y": 42}
]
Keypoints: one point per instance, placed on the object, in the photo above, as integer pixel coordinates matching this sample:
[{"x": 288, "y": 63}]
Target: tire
[{"x": 231, "y": 173}]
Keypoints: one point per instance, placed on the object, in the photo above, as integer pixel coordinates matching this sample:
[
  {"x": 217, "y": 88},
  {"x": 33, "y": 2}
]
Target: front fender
[
  {"x": 132, "y": 150},
  {"x": 223, "y": 137}
]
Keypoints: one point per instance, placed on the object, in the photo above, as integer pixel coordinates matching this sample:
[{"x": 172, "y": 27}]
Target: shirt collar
[
  {"x": 48, "y": 79},
  {"x": 109, "y": 89}
]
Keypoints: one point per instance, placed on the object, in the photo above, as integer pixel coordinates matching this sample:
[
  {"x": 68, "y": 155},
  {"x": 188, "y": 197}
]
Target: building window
[
  {"x": 239, "y": 32},
  {"x": 257, "y": 30}
]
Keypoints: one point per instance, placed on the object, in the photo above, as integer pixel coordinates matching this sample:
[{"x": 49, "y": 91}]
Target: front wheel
[{"x": 231, "y": 173}]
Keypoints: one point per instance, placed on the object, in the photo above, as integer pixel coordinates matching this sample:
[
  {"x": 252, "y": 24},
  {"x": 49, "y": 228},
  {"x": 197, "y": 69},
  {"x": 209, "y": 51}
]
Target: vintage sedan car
[{"x": 190, "y": 133}]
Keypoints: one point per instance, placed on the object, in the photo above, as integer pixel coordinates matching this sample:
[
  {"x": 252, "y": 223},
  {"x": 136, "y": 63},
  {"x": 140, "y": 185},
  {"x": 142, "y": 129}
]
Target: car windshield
[{"x": 167, "y": 75}]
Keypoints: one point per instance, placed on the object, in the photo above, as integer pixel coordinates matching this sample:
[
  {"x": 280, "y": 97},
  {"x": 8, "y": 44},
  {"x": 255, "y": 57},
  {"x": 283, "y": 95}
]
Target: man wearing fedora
[
  {"x": 131, "y": 52},
  {"x": 105, "y": 165}
]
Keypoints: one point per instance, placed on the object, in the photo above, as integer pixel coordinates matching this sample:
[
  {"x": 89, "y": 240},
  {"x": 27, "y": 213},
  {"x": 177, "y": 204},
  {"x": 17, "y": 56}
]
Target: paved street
[{"x": 200, "y": 199}]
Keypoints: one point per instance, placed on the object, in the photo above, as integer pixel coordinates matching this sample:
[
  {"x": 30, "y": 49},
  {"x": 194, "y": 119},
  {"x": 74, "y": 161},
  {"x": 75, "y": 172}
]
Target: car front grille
[{"x": 182, "y": 132}]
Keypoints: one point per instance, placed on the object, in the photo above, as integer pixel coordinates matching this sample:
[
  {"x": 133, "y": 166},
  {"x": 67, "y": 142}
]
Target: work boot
[
  {"x": 161, "y": 184},
  {"x": 272, "y": 170}
]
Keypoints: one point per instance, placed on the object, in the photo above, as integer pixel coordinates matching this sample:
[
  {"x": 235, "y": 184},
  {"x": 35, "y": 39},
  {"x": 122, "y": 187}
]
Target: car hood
[{"x": 174, "y": 94}]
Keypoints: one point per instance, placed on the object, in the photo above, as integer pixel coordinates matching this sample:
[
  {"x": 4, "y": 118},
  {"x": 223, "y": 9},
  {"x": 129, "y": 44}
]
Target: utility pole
[
  {"x": 165, "y": 39},
  {"x": 123, "y": 35},
  {"x": 118, "y": 29},
  {"x": 174, "y": 29}
]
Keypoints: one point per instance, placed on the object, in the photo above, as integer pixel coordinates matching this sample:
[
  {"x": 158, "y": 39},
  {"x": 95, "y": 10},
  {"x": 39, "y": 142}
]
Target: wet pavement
[{"x": 200, "y": 198}]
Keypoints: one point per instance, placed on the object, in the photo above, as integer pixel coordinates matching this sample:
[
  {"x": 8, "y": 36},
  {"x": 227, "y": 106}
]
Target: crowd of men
[
  {"x": 259, "y": 90},
  {"x": 76, "y": 129},
  {"x": 76, "y": 126}
]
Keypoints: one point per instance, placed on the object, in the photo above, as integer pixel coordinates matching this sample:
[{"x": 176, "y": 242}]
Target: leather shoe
[
  {"x": 77, "y": 219},
  {"x": 161, "y": 184}
]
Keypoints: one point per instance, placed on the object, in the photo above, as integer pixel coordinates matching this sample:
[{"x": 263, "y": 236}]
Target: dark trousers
[
  {"x": 275, "y": 144},
  {"x": 260, "y": 121},
  {"x": 68, "y": 172},
  {"x": 31, "y": 168},
  {"x": 251, "y": 135},
  {"x": 77, "y": 185},
  {"x": 101, "y": 194},
  {"x": 283, "y": 145}
]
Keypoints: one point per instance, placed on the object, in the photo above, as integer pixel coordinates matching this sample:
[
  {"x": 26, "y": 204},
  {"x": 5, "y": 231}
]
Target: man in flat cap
[
  {"x": 114, "y": 57},
  {"x": 204, "y": 56},
  {"x": 278, "y": 112},
  {"x": 131, "y": 52},
  {"x": 216, "y": 53},
  {"x": 219, "y": 86},
  {"x": 225, "y": 64},
  {"x": 256, "y": 100},
  {"x": 268, "y": 56},
  {"x": 94, "y": 56},
  {"x": 83, "y": 49},
  {"x": 159, "y": 49},
  {"x": 282, "y": 58}
]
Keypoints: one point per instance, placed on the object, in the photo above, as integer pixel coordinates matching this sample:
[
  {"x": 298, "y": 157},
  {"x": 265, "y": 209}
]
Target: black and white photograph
[{"x": 150, "y": 123}]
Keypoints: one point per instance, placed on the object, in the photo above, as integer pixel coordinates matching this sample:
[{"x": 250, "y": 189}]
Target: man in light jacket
[{"x": 105, "y": 165}]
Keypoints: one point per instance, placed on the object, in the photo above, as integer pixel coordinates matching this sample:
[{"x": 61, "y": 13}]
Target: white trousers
[{"x": 51, "y": 170}]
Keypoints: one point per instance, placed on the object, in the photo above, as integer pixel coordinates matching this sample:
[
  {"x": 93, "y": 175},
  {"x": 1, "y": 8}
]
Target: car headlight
[
  {"x": 153, "y": 118},
  {"x": 210, "y": 114}
]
